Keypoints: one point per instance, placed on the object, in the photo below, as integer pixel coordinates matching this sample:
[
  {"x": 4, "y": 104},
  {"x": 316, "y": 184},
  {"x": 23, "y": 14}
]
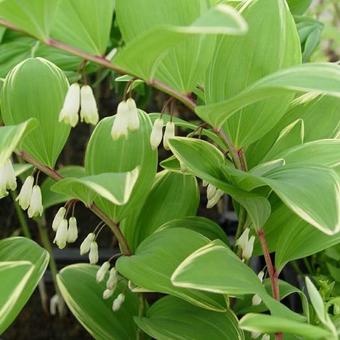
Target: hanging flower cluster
[
  {"x": 8, "y": 180},
  {"x": 79, "y": 99},
  {"x": 157, "y": 133},
  {"x": 66, "y": 230},
  {"x": 30, "y": 198},
  {"x": 125, "y": 120},
  {"x": 111, "y": 285}
]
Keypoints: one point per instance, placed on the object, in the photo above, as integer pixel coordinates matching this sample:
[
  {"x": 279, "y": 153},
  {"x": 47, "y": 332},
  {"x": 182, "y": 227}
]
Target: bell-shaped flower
[
  {"x": 168, "y": 133},
  {"x": 58, "y": 218},
  {"x": 248, "y": 251},
  {"x": 104, "y": 268},
  {"x": 215, "y": 199},
  {"x": 70, "y": 109},
  {"x": 8, "y": 180},
  {"x": 88, "y": 106},
  {"x": 86, "y": 244},
  {"x": 24, "y": 197},
  {"x": 112, "y": 281},
  {"x": 36, "y": 208},
  {"x": 93, "y": 255},
  {"x": 61, "y": 235},
  {"x": 256, "y": 300},
  {"x": 211, "y": 191},
  {"x": 132, "y": 115},
  {"x": 72, "y": 232},
  {"x": 120, "y": 121},
  {"x": 117, "y": 302},
  {"x": 156, "y": 133},
  {"x": 107, "y": 294},
  {"x": 243, "y": 239}
]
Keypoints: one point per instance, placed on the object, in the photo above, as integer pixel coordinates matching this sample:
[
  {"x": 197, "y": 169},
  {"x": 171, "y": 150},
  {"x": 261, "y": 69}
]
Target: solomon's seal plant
[{"x": 248, "y": 118}]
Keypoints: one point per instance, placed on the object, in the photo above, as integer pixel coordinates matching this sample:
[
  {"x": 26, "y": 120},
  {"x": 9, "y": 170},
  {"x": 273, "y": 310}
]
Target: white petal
[
  {"x": 36, "y": 208},
  {"x": 69, "y": 111},
  {"x": 25, "y": 193},
  {"x": 243, "y": 239},
  {"x": 72, "y": 232},
  {"x": 248, "y": 251},
  {"x": 93, "y": 255},
  {"x": 132, "y": 113},
  {"x": 112, "y": 280},
  {"x": 107, "y": 294},
  {"x": 61, "y": 235},
  {"x": 85, "y": 245},
  {"x": 169, "y": 133},
  {"x": 120, "y": 122},
  {"x": 117, "y": 302},
  {"x": 156, "y": 133},
  {"x": 88, "y": 106},
  {"x": 58, "y": 218},
  {"x": 211, "y": 191},
  {"x": 102, "y": 271},
  {"x": 256, "y": 300}
]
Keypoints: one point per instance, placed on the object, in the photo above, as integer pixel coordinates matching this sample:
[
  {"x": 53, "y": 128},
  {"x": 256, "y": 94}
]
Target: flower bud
[
  {"x": 36, "y": 208},
  {"x": 256, "y": 300},
  {"x": 107, "y": 294},
  {"x": 85, "y": 245},
  {"x": 156, "y": 133},
  {"x": 117, "y": 302},
  {"x": 8, "y": 180},
  {"x": 61, "y": 235},
  {"x": 69, "y": 111},
  {"x": 211, "y": 191},
  {"x": 132, "y": 115},
  {"x": 243, "y": 239},
  {"x": 248, "y": 251},
  {"x": 112, "y": 280},
  {"x": 215, "y": 199},
  {"x": 93, "y": 255},
  {"x": 58, "y": 218},
  {"x": 25, "y": 193},
  {"x": 88, "y": 106},
  {"x": 102, "y": 271},
  {"x": 72, "y": 232},
  {"x": 168, "y": 133}
]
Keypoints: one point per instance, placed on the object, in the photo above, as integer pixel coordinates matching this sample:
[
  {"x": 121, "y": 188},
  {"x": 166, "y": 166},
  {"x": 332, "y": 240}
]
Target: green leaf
[
  {"x": 36, "y": 88},
  {"x": 229, "y": 275},
  {"x": 84, "y": 24},
  {"x": 298, "y": 6},
  {"x": 10, "y": 137},
  {"x": 83, "y": 295},
  {"x": 322, "y": 78},
  {"x": 25, "y": 262},
  {"x": 292, "y": 238},
  {"x": 50, "y": 197},
  {"x": 115, "y": 188},
  {"x": 173, "y": 195},
  {"x": 278, "y": 48},
  {"x": 310, "y": 108},
  {"x": 201, "y": 225},
  {"x": 158, "y": 256},
  {"x": 172, "y": 318},
  {"x": 34, "y": 17},
  {"x": 164, "y": 38},
  {"x": 206, "y": 162},
  {"x": 104, "y": 155},
  {"x": 273, "y": 324}
]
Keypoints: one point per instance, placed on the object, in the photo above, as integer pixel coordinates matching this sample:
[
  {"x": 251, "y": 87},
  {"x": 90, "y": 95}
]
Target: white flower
[
  {"x": 132, "y": 115},
  {"x": 255, "y": 335},
  {"x": 58, "y": 218},
  {"x": 107, "y": 294},
  {"x": 204, "y": 183},
  {"x": 61, "y": 235},
  {"x": 85, "y": 245},
  {"x": 211, "y": 191},
  {"x": 266, "y": 337},
  {"x": 36, "y": 208},
  {"x": 112, "y": 280},
  {"x": 256, "y": 300},
  {"x": 8, "y": 180},
  {"x": 93, "y": 255},
  {"x": 102, "y": 271},
  {"x": 168, "y": 133},
  {"x": 215, "y": 199},
  {"x": 117, "y": 302},
  {"x": 88, "y": 106},
  {"x": 25, "y": 193},
  {"x": 243, "y": 239},
  {"x": 156, "y": 133},
  {"x": 54, "y": 304},
  {"x": 120, "y": 122},
  {"x": 72, "y": 232},
  {"x": 248, "y": 251},
  {"x": 69, "y": 111}
]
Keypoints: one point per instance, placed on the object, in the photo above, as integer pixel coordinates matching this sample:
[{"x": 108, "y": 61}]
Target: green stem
[
  {"x": 96, "y": 210},
  {"x": 21, "y": 216}
]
